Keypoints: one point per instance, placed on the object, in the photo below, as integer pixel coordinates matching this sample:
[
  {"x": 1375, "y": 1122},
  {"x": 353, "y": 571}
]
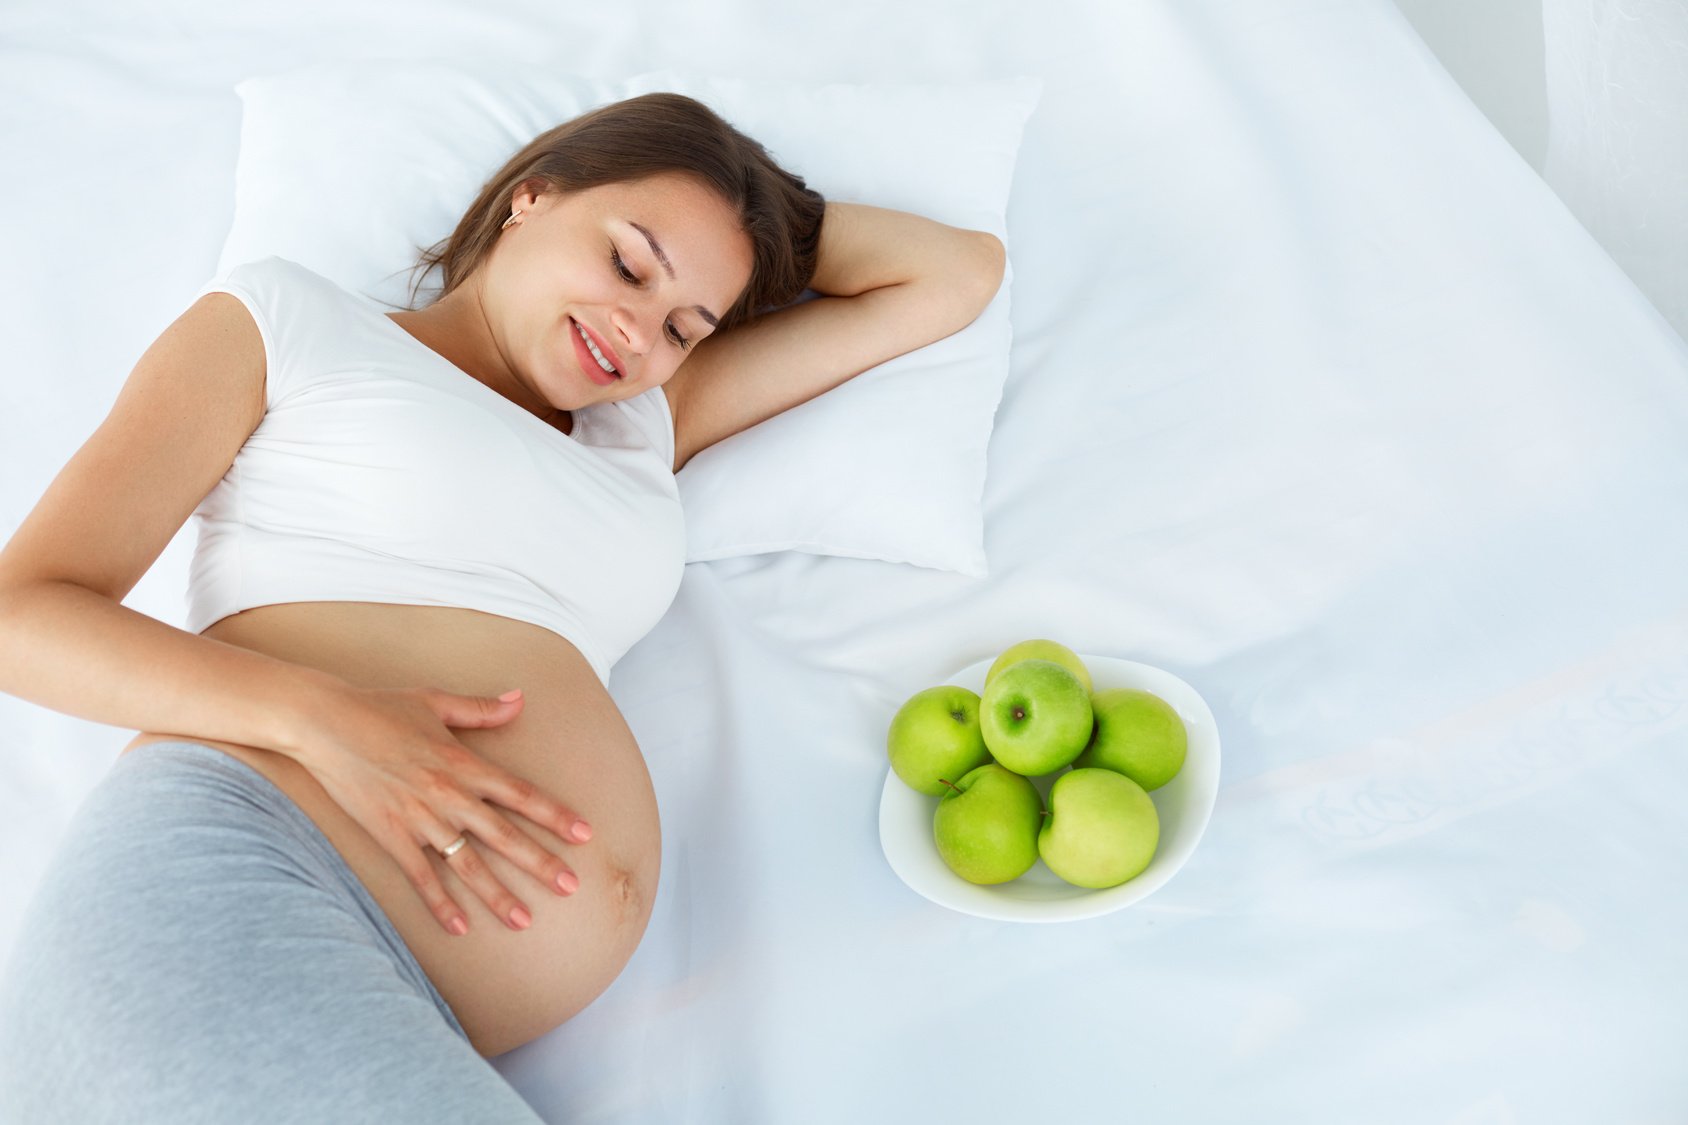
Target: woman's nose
[{"x": 636, "y": 327}]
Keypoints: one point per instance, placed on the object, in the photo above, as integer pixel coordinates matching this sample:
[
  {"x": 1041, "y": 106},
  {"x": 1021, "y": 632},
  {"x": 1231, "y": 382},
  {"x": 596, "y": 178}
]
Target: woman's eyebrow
[{"x": 710, "y": 318}]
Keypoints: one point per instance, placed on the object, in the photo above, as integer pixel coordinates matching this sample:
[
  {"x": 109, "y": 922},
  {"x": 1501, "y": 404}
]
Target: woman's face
[{"x": 587, "y": 259}]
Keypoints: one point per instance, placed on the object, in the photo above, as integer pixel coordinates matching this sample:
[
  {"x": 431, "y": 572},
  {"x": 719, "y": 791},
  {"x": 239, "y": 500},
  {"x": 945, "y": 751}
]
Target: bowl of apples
[{"x": 1047, "y": 786}]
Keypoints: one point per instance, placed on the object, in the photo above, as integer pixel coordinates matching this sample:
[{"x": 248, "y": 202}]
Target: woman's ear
[{"x": 529, "y": 194}]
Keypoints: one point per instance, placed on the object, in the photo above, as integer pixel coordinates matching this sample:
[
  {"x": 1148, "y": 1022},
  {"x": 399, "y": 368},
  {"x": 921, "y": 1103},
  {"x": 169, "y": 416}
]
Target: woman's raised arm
[{"x": 889, "y": 282}]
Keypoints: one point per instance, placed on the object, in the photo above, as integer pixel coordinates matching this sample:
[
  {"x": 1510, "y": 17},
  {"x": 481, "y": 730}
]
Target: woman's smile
[{"x": 588, "y": 362}]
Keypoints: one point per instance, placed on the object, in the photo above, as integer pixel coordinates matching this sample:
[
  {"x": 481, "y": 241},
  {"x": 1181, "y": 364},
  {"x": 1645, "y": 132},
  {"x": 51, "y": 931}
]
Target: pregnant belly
[{"x": 506, "y": 987}]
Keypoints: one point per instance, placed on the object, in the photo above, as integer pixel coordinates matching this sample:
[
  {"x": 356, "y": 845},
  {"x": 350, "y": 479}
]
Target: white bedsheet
[{"x": 1320, "y": 400}]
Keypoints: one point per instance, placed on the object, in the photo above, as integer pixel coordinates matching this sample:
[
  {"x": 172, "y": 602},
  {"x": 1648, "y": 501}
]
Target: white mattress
[{"x": 1320, "y": 399}]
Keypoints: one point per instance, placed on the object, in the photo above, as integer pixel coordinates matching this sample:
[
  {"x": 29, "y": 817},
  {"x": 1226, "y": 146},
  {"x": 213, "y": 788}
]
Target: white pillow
[{"x": 347, "y": 168}]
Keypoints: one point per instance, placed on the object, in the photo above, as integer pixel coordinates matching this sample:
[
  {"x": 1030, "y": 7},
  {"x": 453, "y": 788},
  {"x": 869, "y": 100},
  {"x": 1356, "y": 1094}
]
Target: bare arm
[
  {"x": 889, "y": 282},
  {"x": 387, "y": 757},
  {"x": 66, "y": 642},
  {"x": 865, "y": 247},
  {"x": 71, "y": 650}
]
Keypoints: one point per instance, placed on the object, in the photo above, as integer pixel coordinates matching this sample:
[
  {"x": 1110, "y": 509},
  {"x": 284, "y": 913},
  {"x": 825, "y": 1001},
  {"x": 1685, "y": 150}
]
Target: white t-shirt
[{"x": 381, "y": 472}]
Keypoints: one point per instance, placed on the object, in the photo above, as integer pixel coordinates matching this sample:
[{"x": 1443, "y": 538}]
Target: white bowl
[{"x": 1183, "y": 805}]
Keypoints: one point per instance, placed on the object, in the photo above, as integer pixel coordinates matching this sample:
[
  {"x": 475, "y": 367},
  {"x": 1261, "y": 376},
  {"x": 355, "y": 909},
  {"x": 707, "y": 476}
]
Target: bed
[{"x": 1317, "y": 398}]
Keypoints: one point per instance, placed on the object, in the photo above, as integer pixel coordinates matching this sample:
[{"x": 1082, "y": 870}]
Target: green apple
[
  {"x": 1041, "y": 650},
  {"x": 1035, "y": 717},
  {"x": 1137, "y": 734},
  {"x": 1102, "y": 828},
  {"x": 986, "y": 826},
  {"x": 936, "y": 734}
]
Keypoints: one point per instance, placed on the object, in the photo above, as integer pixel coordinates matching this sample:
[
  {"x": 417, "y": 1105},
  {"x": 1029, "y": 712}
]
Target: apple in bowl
[
  {"x": 1102, "y": 828},
  {"x": 1035, "y": 717},
  {"x": 1041, "y": 649},
  {"x": 986, "y": 826},
  {"x": 1138, "y": 734},
  {"x": 934, "y": 738}
]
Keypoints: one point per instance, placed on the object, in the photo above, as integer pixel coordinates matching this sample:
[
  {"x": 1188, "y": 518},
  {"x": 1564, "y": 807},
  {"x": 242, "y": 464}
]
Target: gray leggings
[{"x": 199, "y": 952}]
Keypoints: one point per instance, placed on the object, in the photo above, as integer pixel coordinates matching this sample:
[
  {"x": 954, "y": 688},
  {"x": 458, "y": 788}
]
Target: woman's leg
[{"x": 199, "y": 952}]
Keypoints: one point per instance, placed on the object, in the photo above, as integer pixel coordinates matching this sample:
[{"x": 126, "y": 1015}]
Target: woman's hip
[{"x": 196, "y": 946}]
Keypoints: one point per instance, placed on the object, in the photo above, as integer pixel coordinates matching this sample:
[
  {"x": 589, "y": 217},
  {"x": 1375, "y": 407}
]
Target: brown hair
[{"x": 644, "y": 136}]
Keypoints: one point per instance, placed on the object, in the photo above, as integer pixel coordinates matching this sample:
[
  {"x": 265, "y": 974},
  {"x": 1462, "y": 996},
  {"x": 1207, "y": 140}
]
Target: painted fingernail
[
  {"x": 567, "y": 882},
  {"x": 521, "y": 918},
  {"x": 582, "y": 831}
]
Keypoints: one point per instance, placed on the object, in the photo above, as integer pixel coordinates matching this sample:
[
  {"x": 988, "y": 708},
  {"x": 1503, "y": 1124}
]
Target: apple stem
[
  {"x": 1045, "y": 812},
  {"x": 952, "y": 785}
]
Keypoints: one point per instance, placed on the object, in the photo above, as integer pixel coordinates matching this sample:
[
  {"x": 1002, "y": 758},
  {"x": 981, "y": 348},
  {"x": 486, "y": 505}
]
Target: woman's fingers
[
  {"x": 466, "y": 861},
  {"x": 469, "y": 866},
  {"x": 525, "y": 797},
  {"x": 456, "y": 710},
  {"x": 508, "y": 789},
  {"x": 486, "y": 828},
  {"x": 499, "y": 834},
  {"x": 461, "y": 792},
  {"x": 413, "y": 859}
]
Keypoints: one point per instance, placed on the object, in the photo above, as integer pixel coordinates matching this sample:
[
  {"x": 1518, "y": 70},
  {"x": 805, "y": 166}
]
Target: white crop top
[{"x": 381, "y": 472}]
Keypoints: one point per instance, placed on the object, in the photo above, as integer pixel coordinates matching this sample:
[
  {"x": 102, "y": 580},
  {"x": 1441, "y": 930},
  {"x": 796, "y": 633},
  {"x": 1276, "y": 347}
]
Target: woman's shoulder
[
  {"x": 311, "y": 326},
  {"x": 281, "y": 291},
  {"x": 274, "y": 270}
]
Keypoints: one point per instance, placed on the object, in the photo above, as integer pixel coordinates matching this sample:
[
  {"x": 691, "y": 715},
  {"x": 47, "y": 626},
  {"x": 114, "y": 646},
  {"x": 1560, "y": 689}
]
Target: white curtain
[{"x": 1617, "y": 152}]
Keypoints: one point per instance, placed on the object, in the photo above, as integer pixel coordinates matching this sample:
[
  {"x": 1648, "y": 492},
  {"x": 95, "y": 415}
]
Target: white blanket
[{"x": 1320, "y": 400}]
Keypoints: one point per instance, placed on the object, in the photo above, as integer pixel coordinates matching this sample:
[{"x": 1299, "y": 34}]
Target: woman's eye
[{"x": 627, "y": 276}]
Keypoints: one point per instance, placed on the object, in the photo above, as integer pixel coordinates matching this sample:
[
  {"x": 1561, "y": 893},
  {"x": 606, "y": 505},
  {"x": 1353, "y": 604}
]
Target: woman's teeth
[{"x": 596, "y": 354}]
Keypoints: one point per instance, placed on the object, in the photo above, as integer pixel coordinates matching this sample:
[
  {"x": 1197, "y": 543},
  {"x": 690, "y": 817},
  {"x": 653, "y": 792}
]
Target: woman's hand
[{"x": 388, "y": 757}]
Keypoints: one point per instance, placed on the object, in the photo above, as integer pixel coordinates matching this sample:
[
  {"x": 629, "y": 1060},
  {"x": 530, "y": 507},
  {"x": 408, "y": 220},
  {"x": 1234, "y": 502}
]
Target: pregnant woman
[{"x": 345, "y": 862}]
